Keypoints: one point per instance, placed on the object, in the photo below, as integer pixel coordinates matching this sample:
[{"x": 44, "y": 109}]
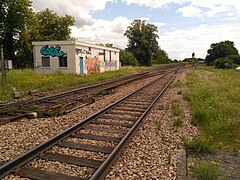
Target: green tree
[
  {"x": 53, "y": 27},
  {"x": 14, "y": 17},
  {"x": 24, "y": 47},
  {"x": 142, "y": 41},
  {"x": 127, "y": 58},
  {"x": 36, "y": 30},
  {"x": 160, "y": 57},
  {"x": 220, "y": 50},
  {"x": 3, "y": 5},
  {"x": 42, "y": 26}
]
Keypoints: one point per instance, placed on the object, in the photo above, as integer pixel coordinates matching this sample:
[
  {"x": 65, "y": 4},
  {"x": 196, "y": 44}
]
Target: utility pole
[{"x": 2, "y": 66}]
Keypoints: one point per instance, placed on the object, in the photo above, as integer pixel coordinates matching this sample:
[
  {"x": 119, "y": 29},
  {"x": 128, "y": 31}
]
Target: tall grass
[
  {"x": 214, "y": 96},
  {"x": 205, "y": 171},
  {"x": 27, "y": 80}
]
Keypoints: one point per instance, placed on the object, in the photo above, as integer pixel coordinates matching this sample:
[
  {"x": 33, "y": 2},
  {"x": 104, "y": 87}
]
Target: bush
[
  {"x": 235, "y": 59},
  {"x": 227, "y": 62},
  {"x": 224, "y": 63},
  {"x": 127, "y": 58}
]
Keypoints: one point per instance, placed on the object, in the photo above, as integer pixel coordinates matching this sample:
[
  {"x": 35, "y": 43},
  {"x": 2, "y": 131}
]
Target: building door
[{"x": 81, "y": 65}]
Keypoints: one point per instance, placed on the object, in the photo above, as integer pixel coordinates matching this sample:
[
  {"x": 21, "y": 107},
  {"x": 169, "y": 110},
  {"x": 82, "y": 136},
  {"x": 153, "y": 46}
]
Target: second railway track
[
  {"x": 113, "y": 126},
  {"x": 67, "y": 101}
]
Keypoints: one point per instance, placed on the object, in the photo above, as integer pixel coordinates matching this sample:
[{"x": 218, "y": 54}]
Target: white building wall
[{"x": 82, "y": 57}]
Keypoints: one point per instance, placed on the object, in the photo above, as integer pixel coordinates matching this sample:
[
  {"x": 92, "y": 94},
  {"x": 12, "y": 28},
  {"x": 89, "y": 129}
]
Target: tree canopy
[
  {"x": 142, "y": 41},
  {"x": 53, "y": 27},
  {"x": 220, "y": 50},
  {"x": 14, "y": 17},
  {"x": 20, "y": 26}
]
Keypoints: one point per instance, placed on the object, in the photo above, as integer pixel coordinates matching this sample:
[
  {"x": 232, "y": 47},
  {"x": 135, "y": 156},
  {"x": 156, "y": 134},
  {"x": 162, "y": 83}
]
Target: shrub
[
  {"x": 235, "y": 59},
  {"x": 224, "y": 63},
  {"x": 127, "y": 58}
]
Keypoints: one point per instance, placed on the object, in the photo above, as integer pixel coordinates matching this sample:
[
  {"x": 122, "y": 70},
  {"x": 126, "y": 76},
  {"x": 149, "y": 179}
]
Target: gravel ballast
[
  {"x": 20, "y": 136},
  {"x": 151, "y": 154}
]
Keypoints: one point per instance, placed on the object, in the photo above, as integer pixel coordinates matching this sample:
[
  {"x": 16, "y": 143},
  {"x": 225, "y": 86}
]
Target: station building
[{"x": 74, "y": 57}]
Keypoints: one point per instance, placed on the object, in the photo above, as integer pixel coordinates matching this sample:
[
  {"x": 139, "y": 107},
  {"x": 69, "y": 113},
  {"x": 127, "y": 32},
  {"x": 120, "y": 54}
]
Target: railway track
[
  {"x": 67, "y": 101},
  {"x": 115, "y": 124}
]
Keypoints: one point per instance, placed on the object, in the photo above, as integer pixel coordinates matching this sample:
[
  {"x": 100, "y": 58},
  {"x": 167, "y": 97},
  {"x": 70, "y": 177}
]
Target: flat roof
[{"x": 73, "y": 42}]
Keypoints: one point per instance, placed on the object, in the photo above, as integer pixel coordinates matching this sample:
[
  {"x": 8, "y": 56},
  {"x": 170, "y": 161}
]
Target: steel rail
[
  {"x": 14, "y": 164},
  {"x": 29, "y": 155},
  {"x": 123, "y": 80},
  {"x": 75, "y": 91},
  {"x": 25, "y": 103},
  {"x": 103, "y": 170},
  {"x": 148, "y": 74},
  {"x": 69, "y": 92}
]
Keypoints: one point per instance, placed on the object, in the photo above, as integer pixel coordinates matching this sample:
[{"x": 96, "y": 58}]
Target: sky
[{"x": 184, "y": 26}]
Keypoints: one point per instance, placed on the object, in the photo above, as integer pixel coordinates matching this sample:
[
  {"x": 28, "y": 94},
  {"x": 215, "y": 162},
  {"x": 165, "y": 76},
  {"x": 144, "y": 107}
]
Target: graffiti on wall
[
  {"x": 111, "y": 65},
  {"x": 92, "y": 65},
  {"x": 82, "y": 51},
  {"x": 52, "y": 51}
]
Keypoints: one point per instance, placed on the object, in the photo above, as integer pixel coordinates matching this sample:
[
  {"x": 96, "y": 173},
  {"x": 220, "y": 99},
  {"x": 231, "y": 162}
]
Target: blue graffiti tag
[{"x": 52, "y": 51}]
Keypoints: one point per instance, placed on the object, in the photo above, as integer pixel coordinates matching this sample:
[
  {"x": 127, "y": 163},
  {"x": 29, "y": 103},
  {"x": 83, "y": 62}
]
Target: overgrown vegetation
[
  {"x": 127, "y": 58},
  {"x": 215, "y": 106},
  {"x": 27, "y": 80},
  {"x": 205, "y": 171}
]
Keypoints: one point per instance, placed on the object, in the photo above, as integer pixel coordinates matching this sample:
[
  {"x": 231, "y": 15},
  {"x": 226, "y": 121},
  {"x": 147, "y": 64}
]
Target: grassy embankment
[
  {"x": 214, "y": 97},
  {"x": 27, "y": 80}
]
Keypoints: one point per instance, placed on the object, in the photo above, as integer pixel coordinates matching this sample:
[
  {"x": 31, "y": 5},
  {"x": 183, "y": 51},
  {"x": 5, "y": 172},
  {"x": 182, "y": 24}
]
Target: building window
[
  {"x": 45, "y": 61},
  {"x": 89, "y": 49},
  {"x": 63, "y": 61}
]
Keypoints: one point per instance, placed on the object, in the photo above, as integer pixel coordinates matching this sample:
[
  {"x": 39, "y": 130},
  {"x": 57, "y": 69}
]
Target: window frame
[
  {"x": 63, "y": 62},
  {"x": 44, "y": 62}
]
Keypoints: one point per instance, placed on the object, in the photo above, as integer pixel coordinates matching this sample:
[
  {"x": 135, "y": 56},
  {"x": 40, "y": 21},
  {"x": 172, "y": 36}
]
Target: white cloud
[
  {"x": 203, "y": 8},
  {"x": 80, "y": 9},
  {"x": 196, "y": 8},
  {"x": 103, "y": 31},
  {"x": 159, "y": 24},
  {"x": 180, "y": 44},
  {"x": 190, "y": 11},
  {"x": 154, "y": 3}
]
